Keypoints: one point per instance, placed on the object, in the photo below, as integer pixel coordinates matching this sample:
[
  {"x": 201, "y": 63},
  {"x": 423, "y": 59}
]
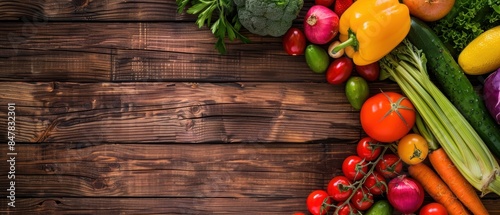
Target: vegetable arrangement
[
  {"x": 455, "y": 84},
  {"x": 458, "y": 139},
  {"x": 262, "y": 17},
  {"x": 466, "y": 21},
  {"x": 439, "y": 117},
  {"x": 450, "y": 121}
]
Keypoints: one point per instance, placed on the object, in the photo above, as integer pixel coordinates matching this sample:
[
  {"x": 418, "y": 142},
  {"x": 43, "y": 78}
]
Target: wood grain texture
[
  {"x": 277, "y": 170},
  {"x": 90, "y": 10},
  {"x": 103, "y": 52},
  {"x": 149, "y": 206},
  {"x": 125, "y": 107},
  {"x": 181, "y": 112},
  {"x": 98, "y": 10}
]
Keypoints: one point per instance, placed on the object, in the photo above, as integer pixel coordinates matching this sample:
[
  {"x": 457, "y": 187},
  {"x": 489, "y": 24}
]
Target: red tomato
[
  {"x": 339, "y": 70},
  {"x": 390, "y": 166},
  {"x": 294, "y": 41},
  {"x": 387, "y": 116},
  {"x": 375, "y": 183},
  {"x": 367, "y": 149},
  {"x": 315, "y": 202},
  {"x": 433, "y": 208},
  {"x": 354, "y": 168},
  {"x": 326, "y": 3},
  {"x": 339, "y": 188},
  {"x": 346, "y": 209},
  {"x": 370, "y": 72},
  {"x": 362, "y": 199},
  {"x": 299, "y": 213}
]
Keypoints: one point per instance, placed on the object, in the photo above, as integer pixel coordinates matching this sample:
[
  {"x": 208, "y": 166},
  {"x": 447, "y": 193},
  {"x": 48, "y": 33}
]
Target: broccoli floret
[{"x": 268, "y": 17}]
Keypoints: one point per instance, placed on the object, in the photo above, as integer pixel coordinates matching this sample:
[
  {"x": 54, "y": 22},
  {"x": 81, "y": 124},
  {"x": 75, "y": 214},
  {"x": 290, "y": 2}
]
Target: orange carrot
[
  {"x": 436, "y": 188},
  {"x": 456, "y": 181}
]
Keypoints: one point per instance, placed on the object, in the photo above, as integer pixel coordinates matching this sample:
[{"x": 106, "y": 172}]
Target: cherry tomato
[
  {"x": 375, "y": 183},
  {"x": 367, "y": 149},
  {"x": 339, "y": 70},
  {"x": 413, "y": 149},
  {"x": 346, "y": 209},
  {"x": 387, "y": 116},
  {"x": 299, "y": 213},
  {"x": 390, "y": 166},
  {"x": 362, "y": 199},
  {"x": 315, "y": 202},
  {"x": 354, "y": 168},
  {"x": 339, "y": 188},
  {"x": 433, "y": 208},
  {"x": 326, "y": 3},
  {"x": 294, "y": 41},
  {"x": 370, "y": 72}
]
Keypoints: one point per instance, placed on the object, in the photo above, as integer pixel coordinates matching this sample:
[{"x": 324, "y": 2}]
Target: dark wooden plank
[
  {"x": 277, "y": 170},
  {"x": 38, "y": 65},
  {"x": 90, "y": 10},
  {"x": 181, "y": 112},
  {"x": 111, "y": 206},
  {"x": 174, "y": 178},
  {"x": 140, "y": 52},
  {"x": 149, "y": 206},
  {"x": 97, "y": 10}
]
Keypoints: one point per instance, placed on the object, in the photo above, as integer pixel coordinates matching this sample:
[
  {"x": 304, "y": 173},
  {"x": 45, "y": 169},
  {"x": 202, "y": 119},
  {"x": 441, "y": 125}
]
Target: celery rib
[{"x": 466, "y": 149}]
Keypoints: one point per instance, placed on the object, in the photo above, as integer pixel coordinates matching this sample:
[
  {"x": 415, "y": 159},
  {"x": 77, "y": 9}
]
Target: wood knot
[
  {"x": 99, "y": 183},
  {"x": 80, "y": 4},
  {"x": 195, "y": 109},
  {"x": 114, "y": 165},
  {"x": 190, "y": 124},
  {"x": 50, "y": 168},
  {"x": 50, "y": 203}
]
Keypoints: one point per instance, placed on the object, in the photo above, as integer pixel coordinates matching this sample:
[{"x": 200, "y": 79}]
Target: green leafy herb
[{"x": 226, "y": 25}]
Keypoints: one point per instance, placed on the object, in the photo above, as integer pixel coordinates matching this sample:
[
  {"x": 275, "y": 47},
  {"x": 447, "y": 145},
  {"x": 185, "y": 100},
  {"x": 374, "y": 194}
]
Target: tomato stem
[
  {"x": 359, "y": 184},
  {"x": 395, "y": 106}
]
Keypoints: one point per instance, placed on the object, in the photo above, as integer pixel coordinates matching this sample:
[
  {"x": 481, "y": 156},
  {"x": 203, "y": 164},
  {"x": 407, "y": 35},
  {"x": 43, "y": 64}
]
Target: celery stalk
[{"x": 407, "y": 66}]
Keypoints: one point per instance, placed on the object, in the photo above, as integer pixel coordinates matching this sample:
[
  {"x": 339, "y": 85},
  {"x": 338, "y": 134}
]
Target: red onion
[
  {"x": 491, "y": 94},
  {"x": 321, "y": 24},
  {"x": 405, "y": 194}
]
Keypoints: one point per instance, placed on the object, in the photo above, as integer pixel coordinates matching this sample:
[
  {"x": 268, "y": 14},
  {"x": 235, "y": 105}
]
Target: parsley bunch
[{"x": 227, "y": 23}]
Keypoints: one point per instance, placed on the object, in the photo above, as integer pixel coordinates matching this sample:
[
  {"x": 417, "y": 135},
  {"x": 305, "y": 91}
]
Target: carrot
[
  {"x": 456, "y": 181},
  {"x": 436, "y": 188}
]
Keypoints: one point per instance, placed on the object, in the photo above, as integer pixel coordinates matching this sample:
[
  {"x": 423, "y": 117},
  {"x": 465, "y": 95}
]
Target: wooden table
[{"x": 124, "y": 107}]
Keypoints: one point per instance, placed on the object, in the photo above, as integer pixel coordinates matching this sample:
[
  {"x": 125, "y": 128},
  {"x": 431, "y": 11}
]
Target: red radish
[{"x": 321, "y": 24}]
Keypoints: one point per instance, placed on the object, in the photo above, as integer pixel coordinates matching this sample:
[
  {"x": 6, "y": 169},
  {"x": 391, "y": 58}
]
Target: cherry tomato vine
[{"x": 356, "y": 188}]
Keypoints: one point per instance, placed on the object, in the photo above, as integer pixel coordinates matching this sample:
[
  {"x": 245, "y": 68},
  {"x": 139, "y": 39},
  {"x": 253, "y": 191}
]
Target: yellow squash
[{"x": 482, "y": 55}]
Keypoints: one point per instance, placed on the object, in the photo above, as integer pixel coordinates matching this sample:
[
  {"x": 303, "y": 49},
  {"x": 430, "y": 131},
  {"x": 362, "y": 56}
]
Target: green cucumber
[{"x": 452, "y": 81}]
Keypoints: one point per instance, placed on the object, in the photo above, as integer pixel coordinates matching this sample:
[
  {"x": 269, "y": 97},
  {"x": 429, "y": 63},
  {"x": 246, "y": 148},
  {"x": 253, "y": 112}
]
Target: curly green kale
[
  {"x": 466, "y": 20},
  {"x": 268, "y": 17}
]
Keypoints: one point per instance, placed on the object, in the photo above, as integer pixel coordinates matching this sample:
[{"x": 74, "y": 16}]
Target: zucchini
[{"x": 452, "y": 81}]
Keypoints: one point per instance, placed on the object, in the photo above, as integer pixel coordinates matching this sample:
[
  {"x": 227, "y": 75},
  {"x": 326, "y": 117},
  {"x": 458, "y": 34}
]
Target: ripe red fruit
[{"x": 341, "y": 6}]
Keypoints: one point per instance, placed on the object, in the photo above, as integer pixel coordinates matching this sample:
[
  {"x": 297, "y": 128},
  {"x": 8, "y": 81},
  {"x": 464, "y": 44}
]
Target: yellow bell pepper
[{"x": 370, "y": 29}]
